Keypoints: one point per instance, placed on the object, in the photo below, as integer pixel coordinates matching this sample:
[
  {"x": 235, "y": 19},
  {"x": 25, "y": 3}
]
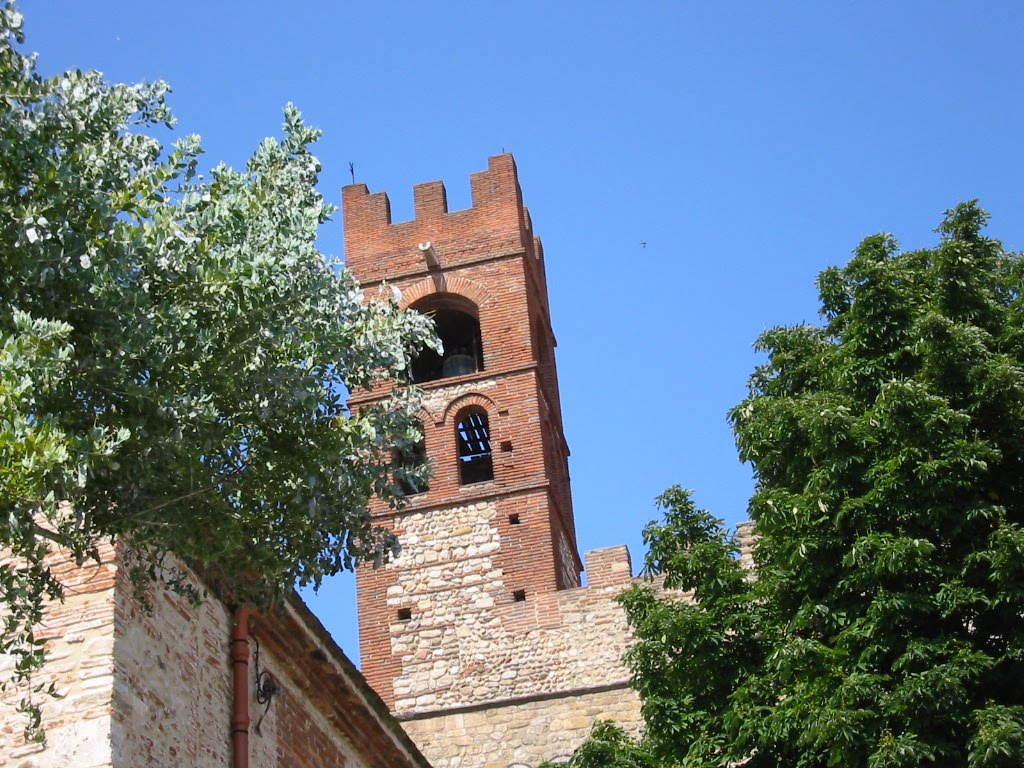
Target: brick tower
[
  {"x": 479, "y": 636},
  {"x": 493, "y": 533}
]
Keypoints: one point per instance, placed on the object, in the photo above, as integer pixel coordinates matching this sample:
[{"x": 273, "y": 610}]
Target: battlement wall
[{"x": 496, "y": 225}]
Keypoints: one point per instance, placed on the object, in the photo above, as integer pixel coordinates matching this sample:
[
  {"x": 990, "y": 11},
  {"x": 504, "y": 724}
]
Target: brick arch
[
  {"x": 425, "y": 415},
  {"x": 465, "y": 401},
  {"x": 445, "y": 284}
]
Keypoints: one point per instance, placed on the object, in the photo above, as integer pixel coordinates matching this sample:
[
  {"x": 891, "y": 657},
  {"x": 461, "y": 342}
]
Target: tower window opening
[
  {"x": 513, "y": 519},
  {"x": 519, "y": 596},
  {"x": 407, "y": 457},
  {"x": 405, "y": 614},
  {"x": 474, "y": 439},
  {"x": 458, "y": 327}
]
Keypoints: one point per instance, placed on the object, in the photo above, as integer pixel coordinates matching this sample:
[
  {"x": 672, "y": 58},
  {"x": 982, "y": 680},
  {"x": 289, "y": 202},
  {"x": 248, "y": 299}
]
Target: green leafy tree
[
  {"x": 175, "y": 354},
  {"x": 608, "y": 746},
  {"x": 883, "y": 624}
]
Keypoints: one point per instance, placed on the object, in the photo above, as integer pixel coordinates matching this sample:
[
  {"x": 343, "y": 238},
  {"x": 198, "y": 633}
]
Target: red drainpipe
[{"x": 240, "y": 670}]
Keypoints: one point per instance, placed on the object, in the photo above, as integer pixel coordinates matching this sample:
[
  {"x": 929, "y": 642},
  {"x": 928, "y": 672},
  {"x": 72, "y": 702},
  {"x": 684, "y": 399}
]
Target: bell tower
[{"x": 491, "y": 540}]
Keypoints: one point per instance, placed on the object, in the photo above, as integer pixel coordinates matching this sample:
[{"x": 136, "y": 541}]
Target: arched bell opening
[{"x": 458, "y": 326}]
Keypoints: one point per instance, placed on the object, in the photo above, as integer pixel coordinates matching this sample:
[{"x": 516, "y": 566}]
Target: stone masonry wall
[
  {"x": 79, "y": 636},
  {"x": 172, "y": 695},
  {"x": 154, "y": 688},
  {"x": 544, "y": 679},
  {"x": 465, "y": 639},
  {"x": 447, "y": 581},
  {"x": 488, "y": 682},
  {"x": 522, "y": 734}
]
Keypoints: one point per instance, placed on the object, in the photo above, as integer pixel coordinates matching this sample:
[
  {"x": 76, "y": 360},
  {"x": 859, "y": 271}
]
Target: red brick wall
[
  {"x": 496, "y": 225},
  {"x": 302, "y": 742}
]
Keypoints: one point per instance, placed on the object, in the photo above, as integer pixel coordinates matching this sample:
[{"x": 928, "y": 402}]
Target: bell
[{"x": 457, "y": 365}]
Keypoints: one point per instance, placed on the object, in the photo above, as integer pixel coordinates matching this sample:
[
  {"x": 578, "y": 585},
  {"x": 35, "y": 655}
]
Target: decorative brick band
[{"x": 479, "y": 378}]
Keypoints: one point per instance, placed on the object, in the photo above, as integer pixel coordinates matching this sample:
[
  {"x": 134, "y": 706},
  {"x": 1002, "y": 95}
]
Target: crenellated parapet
[{"x": 496, "y": 226}]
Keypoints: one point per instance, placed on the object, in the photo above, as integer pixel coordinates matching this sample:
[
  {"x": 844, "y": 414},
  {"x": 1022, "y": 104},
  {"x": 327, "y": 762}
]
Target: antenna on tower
[{"x": 352, "y": 170}]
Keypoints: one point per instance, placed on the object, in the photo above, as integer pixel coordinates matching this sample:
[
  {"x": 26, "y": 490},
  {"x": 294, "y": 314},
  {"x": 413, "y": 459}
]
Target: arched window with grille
[{"x": 473, "y": 435}]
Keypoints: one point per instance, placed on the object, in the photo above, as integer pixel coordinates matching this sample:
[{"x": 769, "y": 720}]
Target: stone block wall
[
  {"x": 502, "y": 683},
  {"x": 154, "y": 688},
  {"x": 79, "y": 635},
  {"x": 522, "y": 734}
]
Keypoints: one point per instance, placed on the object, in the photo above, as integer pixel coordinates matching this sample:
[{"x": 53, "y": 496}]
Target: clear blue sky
[{"x": 749, "y": 144}]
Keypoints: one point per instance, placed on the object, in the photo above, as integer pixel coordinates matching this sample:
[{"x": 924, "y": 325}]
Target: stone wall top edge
[{"x": 512, "y": 701}]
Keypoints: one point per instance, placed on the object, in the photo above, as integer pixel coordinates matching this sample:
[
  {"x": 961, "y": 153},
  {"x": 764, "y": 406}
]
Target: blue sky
[{"x": 748, "y": 144}]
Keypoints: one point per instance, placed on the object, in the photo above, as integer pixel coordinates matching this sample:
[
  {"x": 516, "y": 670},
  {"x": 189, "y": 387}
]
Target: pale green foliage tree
[
  {"x": 175, "y": 355},
  {"x": 884, "y": 624}
]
